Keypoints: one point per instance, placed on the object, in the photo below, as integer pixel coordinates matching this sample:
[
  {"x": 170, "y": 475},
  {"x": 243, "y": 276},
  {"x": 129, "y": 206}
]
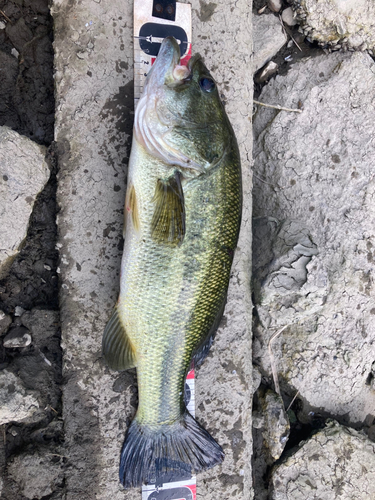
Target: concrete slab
[
  {"x": 94, "y": 95},
  {"x": 313, "y": 201}
]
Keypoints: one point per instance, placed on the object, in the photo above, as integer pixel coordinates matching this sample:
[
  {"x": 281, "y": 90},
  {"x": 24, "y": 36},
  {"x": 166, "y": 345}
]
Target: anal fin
[
  {"x": 168, "y": 221},
  {"x": 117, "y": 348}
]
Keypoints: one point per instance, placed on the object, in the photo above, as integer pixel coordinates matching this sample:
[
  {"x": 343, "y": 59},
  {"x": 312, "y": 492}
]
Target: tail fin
[{"x": 149, "y": 453}]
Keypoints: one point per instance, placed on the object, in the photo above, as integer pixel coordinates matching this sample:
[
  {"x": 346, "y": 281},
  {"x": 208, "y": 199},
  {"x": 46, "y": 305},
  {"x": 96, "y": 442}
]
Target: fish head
[{"x": 180, "y": 117}]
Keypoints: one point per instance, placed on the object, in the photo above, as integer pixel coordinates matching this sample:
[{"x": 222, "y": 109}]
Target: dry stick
[
  {"x": 276, "y": 106},
  {"x": 291, "y": 36},
  {"x": 272, "y": 359},
  {"x": 262, "y": 9},
  {"x": 292, "y": 401},
  {"x": 6, "y": 17},
  {"x": 262, "y": 180},
  {"x": 53, "y": 409}
]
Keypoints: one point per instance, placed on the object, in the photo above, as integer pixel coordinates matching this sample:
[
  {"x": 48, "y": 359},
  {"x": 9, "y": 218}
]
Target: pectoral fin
[
  {"x": 117, "y": 348},
  {"x": 131, "y": 206},
  {"x": 168, "y": 222}
]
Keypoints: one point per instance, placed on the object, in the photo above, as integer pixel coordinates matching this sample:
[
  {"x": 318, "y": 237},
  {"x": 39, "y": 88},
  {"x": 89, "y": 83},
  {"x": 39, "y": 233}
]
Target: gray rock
[
  {"x": 18, "y": 311},
  {"x": 269, "y": 69},
  {"x": 276, "y": 424},
  {"x": 18, "y": 336},
  {"x": 16, "y": 402},
  {"x": 257, "y": 379},
  {"x": 42, "y": 323},
  {"x": 23, "y": 174},
  {"x": 337, "y": 462},
  {"x": 285, "y": 274},
  {"x": 5, "y": 322},
  {"x": 92, "y": 159},
  {"x": 314, "y": 170},
  {"x": 288, "y": 17},
  {"x": 35, "y": 475},
  {"x": 348, "y": 23},
  {"x": 268, "y": 38},
  {"x": 274, "y": 5}
]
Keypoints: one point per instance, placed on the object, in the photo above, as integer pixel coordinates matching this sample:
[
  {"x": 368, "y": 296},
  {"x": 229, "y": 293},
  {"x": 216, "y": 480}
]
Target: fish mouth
[
  {"x": 167, "y": 69},
  {"x": 155, "y": 118}
]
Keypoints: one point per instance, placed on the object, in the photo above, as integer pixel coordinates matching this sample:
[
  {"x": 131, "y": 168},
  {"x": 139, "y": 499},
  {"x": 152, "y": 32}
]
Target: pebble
[
  {"x": 18, "y": 311},
  {"x": 288, "y": 17},
  {"x": 277, "y": 427},
  {"x": 2, "y": 25},
  {"x": 5, "y": 321},
  {"x": 15, "y": 53},
  {"x": 274, "y": 5},
  {"x": 17, "y": 337},
  {"x": 268, "y": 70}
]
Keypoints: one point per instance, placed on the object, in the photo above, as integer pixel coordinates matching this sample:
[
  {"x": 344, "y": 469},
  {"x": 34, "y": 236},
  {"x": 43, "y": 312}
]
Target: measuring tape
[{"x": 154, "y": 20}]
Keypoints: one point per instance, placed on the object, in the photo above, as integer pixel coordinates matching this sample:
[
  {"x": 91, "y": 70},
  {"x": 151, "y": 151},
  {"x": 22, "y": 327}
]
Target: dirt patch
[
  {"x": 29, "y": 292},
  {"x": 26, "y": 58}
]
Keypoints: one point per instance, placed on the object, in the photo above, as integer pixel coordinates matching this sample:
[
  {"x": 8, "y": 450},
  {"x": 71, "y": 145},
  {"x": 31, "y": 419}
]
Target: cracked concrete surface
[
  {"x": 316, "y": 169},
  {"x": 94, "y": 94},
  {"x": 337, "y": 462},
  {"x": 345, "y": 24}
]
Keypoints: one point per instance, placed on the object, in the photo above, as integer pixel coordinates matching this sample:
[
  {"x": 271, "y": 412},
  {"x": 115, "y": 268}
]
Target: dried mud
[{"x": 27, "y": 106}]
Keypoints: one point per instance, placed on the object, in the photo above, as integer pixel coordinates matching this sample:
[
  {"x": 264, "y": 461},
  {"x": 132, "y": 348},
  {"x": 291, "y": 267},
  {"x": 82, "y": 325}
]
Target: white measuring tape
[
  {"x": 149, "y": 32},
  {"x": 153, "y": 21}
]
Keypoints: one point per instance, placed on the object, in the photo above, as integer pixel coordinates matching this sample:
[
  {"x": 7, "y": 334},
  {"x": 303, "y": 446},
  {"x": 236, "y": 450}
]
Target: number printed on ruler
[
  {"x": 149, "y": 32},
  {"x": 178, "y": 490}
]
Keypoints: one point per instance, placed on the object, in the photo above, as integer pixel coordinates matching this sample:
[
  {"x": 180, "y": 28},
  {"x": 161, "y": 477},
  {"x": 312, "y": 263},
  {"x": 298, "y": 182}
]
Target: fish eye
[{"x": 207, "y": 84}]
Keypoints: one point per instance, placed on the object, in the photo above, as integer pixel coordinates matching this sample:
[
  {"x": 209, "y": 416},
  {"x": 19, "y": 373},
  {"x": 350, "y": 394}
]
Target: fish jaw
[
  {"x": 161, "y": 72},
  {"x": 153, "y": 121}
]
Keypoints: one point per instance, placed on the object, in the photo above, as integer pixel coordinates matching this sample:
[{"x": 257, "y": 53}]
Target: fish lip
[{"x": 168, "y": 58}]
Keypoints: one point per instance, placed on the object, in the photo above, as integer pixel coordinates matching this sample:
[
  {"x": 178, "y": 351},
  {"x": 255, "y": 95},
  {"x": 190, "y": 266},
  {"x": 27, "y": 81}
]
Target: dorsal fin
[{"x": 168, "y": 221}]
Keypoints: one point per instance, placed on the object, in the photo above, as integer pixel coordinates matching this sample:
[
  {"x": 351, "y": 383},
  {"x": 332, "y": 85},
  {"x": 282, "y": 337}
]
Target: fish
[{"x": 182, "y": 211}]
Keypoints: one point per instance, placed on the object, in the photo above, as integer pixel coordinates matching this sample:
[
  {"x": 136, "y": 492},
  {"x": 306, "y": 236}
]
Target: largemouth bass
[{"x": 182, "y": 217}]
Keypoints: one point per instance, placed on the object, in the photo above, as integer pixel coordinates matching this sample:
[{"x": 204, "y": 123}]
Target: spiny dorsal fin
[
  {"x": 117, "y": 349},
  {"x": 168, "y": 221}
]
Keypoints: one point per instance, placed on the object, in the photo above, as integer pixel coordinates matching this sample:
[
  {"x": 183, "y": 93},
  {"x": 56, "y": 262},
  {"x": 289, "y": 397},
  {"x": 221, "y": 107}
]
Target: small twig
[
  {"x": 276, "y": 106},
  {"x": 27, "y": 45},
  {"x": 292, "y": 401},
  {"x": 262, "y": 9},
  {"x": 272, "y": 359},
  {"x": 53, "y": 409},
  {"x": 290, "y": 34},
  {"x": 6, "y": 17},
  {"x": 262, "y": 180}
]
